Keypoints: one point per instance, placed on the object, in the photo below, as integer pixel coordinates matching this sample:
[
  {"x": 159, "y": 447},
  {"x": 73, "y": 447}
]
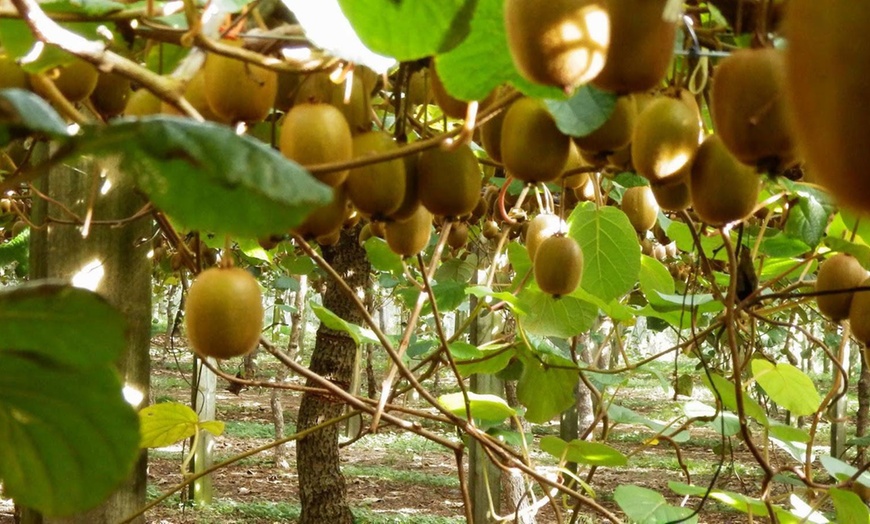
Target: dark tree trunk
[{"x": 322, "y": 488}]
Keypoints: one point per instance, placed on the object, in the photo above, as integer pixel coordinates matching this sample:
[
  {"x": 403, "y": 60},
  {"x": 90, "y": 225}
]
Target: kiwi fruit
[
  {"x": 449, "y": 182},
  {"x": 75, "y": 80},
  {"x": 194, "y": 93},
  {"x": 11, "y": 74},
  {"x": 841, "y": 271},
  {"x": 110, "y": 94},
  {"x": 571, "y": 179},
  {"x": 723, "y": 190},
  {"x": 458, "y": 235},
  {"x": 5, "y": 206},
  {"x": 541, "y": 227},
  {"x": 558, "y": 265},
  {"x": 665, "y": 139},
  {"x": 748, "y": 107},
  {"x": 490, "y": 230},
  {"x": 640, "y": 205},
  {"x": 285, "y": 92},
  {"x": 239, "y": 91},
  {"x": 409, "y": 237},
  {"x": 224, "y": 313},
  {"x": 328, "y": 218},
  {"x": 674, "y": 195},
  {"x": 827, "y": 95},
  {"x": 376, "y": 189},
  {"x": 490, "y": 132},
  {"x": 641, "y": 46},
  {"x": 418, "y": 92},
  {"x": 365, "y": 233},
  {"x": 142, "y": 103},
  {"x": 355, "y": 106},
  {"x": 532, "y": 147},
  {"x": 317, "y": 134},
  {"x": 859, "y": 314},
  {"x": 378, "y": 228},
  {"x": 561, "y": 43},
  {"x": 411, "y": 200},
  {"x": 615, "y": 133}
]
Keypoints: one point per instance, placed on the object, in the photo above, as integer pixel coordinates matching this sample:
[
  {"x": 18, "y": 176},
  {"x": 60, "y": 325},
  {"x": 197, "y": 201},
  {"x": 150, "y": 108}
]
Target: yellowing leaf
[
  {"x": 166, "y": 423},
  {"x": 787, "y": 385}
]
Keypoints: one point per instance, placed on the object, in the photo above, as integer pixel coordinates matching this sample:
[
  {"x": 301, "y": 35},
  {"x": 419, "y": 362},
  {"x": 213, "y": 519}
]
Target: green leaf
[
  {"x": 63, "y": 447},
  {"x": 484, "y": 292},
  {"x": 482, "y": 61},
  {"x": 583, "y": 452},
  {"x": 382, "y": 257},
  {"x": 23, "y": 113},
  {"x": 858, "y": 250},
  {"x": 842, "y": 471},
  {"x": 850, "y": 508},
  {"x": 807, "y": 221},
  {"x": 622, "y": 415},
  {"x": 18, "y": 41},
  {"x": 94, "y": 8},
  {"x": 787, "y": 385},
  {"x": 562, "y": 317},
  {"x": 774, "y": 267},
  {"x": 360, "y": 335},
  {"x": 416, "y": 29},
  {"x": 16, "y": 251},
  {"x": 611, "y": 252},
  {"x": 519, "y": 259},
  {"x": 682, "y": 235},
  {"x": 727, "y": 391},
  {"x": 471, "y": 360},
  {"x": 613, "y": 309},
  {"x": 242, "y": 187},
  {"x": 457, "y": 269},
  {"x": 546, "y": 391},
  {"x": 782, "y": 245},
  {"x": 584, "y": 112},
  {"x": 215, "y": 427},
  {"x": 449, "y": 295},
  {"x": 60, "y": 325},
  {"x": 654, "y": 279},
  {"x": 165, "y": 424},
  {"x": 734, "y": 500},
  {"x": 788, "y": 433},
  {"x": 645, "y": 506},
  {"x": 490, "y": 408}
]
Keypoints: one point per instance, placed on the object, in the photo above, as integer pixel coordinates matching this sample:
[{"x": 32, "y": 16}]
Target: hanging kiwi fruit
[
  {"x": 409, "y": 237},
  {"x": 411, "y": 199},
  {"x": 449, "y": 182},
  {"x": 194, "y": 93},
  {"x": 224, "y": 313},
  {"x": 561, "y": 43},
  {"x": 859, "y": 314},
  {"x": 674, "y": 195},
  {"x": 532, "y": 147},
  {"x": 317, "y": 134},
  {"x": 827, "y": 95},
  {"x": 355, "y": 105},
  {"x": 748, "y": 108},
  {"x": 640, "y": 205},
  {"x": 110, "y": 95},
  {"x": 75, "y": 80},
  {"x": 642, "y": 36},
  {"x": 239, "y": 91},
  {"x": 723, "y": 189},
  {"x": 540, "y": 228},
  {"x": 665, "y": 138},
  {"x": 11, "y": 74},
  {"x": 142, "y": 102},
  {"x": 328, "y": 218},
  {"x": 376, "y": 190},
  {"x": 615, "y": 133},
  {"x": 558, "y": 265},
  {"x": 841, "y": 271}
]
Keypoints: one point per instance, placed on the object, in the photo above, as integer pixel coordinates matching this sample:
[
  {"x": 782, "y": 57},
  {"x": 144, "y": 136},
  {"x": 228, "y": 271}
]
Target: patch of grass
[
  {"x": 400, "y": 444},
  {"x": 248, "y": 429},
  {"x": 231, "y": 512},
  {"x": 402, "y": 476}
]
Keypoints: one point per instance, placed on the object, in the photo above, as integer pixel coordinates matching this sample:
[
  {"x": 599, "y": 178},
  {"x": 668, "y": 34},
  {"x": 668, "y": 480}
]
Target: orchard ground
[{"x": 398, "y": 477}]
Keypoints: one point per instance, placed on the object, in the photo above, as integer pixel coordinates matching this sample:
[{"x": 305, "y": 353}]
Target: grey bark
[
  {"x": 60, "y": 251},
  {"x": 322, "y": 488},
  {"x": 861, "y": 418}
]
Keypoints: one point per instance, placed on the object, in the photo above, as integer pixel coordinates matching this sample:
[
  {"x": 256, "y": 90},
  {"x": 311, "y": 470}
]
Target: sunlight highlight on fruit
[{"x": 672, "y": 164}]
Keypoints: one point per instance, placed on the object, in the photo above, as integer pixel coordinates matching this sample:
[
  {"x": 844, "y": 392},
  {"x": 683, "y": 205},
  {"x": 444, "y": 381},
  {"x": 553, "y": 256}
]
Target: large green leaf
[
  {"x": 561, "y": 317},
  {"x": 655, "y": 279},
  {"x": 645, "y": 506},
  {"x": 61, "y": 325},
  {"x": 622, "y": 415},
  {"x": 169, "y": 422},
  {"x": 409, "y": 30},
  {"x": 490, "y": 408},
  {"x": 482, "y": 61},
  {"x": 807, "y": 221},
  {"x": 787, "y": 385},
  {"x": 23, "y": 113},
  {"x": 734, "y": 500},
  {"x": 457, "y": 269},
  {"x": 584, "y": 112},
  {"x": 18, "y": 41},
  {"x": 726, "y": 390},
  {"x": 63, "y": 447},
  {"x": 850, "y": 508},
  {"x": 611, "y": 252},
  {"x": 207, "y": 177},
  {"x": 583, "y": 452},
  {"x": 471, "y": 359},
  {"x": 382, "y": 257},
  {"x": 545, "y": 390},
  {"x": 359, "y": 334}
]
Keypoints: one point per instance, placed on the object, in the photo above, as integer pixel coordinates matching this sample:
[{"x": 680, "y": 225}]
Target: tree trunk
[
  {"x": 297, "y": 319},
  {"x": 322, "y": 488},
  {"x": 60, "y": 251},
  {"x": 861, "y": 418}
]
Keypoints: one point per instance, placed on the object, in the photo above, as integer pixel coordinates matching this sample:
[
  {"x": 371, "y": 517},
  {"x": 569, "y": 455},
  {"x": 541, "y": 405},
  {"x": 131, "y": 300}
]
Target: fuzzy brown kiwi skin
[
  {"x": 673, "y": 196},
  {"x": 376, "y": 189},
  {"x": 449, "y": 182},
  {"x": 841, "y": 271},
  {"x": 409, "y": 237},
  {"x": 316, "y": 134},
  {"x": 665, "y": 139},
  {"x": 641, "y": 46},
  {"x": 532, "y": 147},
  {"x": 319, "y": 88},
  {"x": 827, "y": 94},
  {"x": 558, "y": 265},
  {"x": 615, "y": 133},
  {"x": 640, "y": 205},
  {"x": 748, "y": 107},
  {"x": 540, "y": 228},
  {"x": 110, "y": 94},
  {"x": 239, "y": 91},
  {"x": 859, "y": 314},
  {"x": 75, "y": 81},
  {"x": 542, "y": 54},
  {"x": 723, "y": 189},
  {"x": 11, "y": 74},
  {"x": 328, "y": 218}
]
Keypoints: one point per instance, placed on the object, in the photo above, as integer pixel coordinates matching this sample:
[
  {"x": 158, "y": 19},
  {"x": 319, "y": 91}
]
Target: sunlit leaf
[
  {"x": 18, "y": 41},
  {"x": 491, "y": 408},
  {"x": 725, "y": 390},
  {"x": 583, "y": 452},
  {"x": 562, "y": 317},
  {"x": 382, "y": 257},
  {"x": 850, "y": 508},
  {"x": 166, "y": 423},
  {"x": 622, "y": 415},
  {"x": 787, "y": 385},
  {"x": 645, "y": 506},
  {"x": 470, "y": 359},
  {"x": 360, "y": 335}
]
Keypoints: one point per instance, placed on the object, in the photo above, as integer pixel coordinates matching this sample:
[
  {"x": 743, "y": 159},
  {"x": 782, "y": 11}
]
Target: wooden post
[
  {"x": 838, "y": 410},
  {"x": 204, "y": 393}
]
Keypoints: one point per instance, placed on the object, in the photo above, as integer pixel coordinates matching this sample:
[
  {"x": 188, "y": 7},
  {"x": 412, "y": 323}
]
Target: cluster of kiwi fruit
[
  {"x": 11, "y": 224},
  {"x": 843, "y": 272}
]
